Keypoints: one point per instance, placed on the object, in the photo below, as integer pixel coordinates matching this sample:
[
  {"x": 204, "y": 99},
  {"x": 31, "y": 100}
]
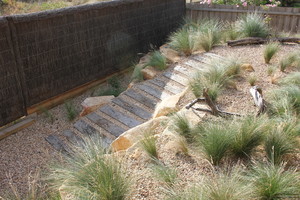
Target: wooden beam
[
  {"x": 9, "y": 130},
  {"x": 54, "y": 101}
]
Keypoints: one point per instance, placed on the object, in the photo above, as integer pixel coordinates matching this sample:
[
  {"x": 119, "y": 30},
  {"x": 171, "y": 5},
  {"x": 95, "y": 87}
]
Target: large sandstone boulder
[
  {"x": 91, "y": 104},
  {"x": 170, "y": 54},
  {"x": 149, "y": 72},
  {"x": 168, "y": 105},
  {"x": 132, "y": 136}
]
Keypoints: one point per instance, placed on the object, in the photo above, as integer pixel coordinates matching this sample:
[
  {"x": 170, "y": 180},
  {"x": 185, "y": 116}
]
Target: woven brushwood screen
[{"x": 56, "y": 51}]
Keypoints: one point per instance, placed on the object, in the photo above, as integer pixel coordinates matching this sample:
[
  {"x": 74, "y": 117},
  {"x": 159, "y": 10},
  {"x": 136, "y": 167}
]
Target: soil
[{"x": 27, "y": 151}]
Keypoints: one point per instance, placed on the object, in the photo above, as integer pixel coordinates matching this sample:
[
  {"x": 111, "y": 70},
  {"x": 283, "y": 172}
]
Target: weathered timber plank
[
  {"x": 106, "y": 124},
  {"x": 171, "y": 88},
  {"x": 195, "y": 64},
  {"x": 153, "y": 91},
  {"x": 72, "y": 137},
  {"x": 183, "y": 70},
  {"x": 88, "y": 130},
  {"x": 57, "y": 144},
  {"x": 140, "y": 112},
  {"x": 175, "y": 77},
  {"x": 141, "y": 98},
  {"x": 7, "y": 131},
  {"x": 121, "y": 117}
]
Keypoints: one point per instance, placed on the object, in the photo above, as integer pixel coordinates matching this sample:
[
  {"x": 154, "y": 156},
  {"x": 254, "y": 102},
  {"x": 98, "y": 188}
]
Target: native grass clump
[
  {"x": 270, "y": 50},
  {"x": 218, "y": 75},
  {"x": 89, "y": 173},
  {"x": 252, "y": 25}
]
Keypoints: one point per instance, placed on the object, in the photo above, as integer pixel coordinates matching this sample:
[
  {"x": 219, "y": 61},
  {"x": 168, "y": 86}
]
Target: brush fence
[
  {"x": 48, "y": 53},
  {"x": 282, "y": 18}
]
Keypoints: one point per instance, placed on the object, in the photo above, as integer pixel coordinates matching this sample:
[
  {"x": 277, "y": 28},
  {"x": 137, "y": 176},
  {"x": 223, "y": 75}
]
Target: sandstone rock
[
  {"x": 144, "y": 60},
  {"x": 132, "y": 136},
  {"x": 93, "y": 103},
  {"x": 149, "y": 72},
  {"x": 168, "y": 105},
  {"x": 247, "y": 67},
  {"x": 170, "y": 54}
]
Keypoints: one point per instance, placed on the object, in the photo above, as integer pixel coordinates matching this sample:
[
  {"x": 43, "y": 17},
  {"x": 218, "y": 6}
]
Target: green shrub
[
  {"x": 71, "y": 110},
  {"x": 182, "y": 41},
  {"x": 114, "y": 88},
  {"x": 247, "y": 133},
  {"x": 89, "y": 173},
  {"x": 291, "y": 79},
  {"x": 270, "y": 50},
  {"x": 273, "y": 182},
  {"x": 157, "y": 60},
  {"x": 182, "y": 126},
  {"x": 252, "y": 25},
  {"x": 148, "y": 144},
  {"x": 230, "y": 32}
]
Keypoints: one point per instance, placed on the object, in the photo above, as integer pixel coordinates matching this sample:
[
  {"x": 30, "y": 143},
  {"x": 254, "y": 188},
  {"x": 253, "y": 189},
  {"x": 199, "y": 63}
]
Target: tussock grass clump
[
  {"x": 218, "y": 75},
  {"x": 291, "y": 60},
  {"x": 230, "y": 32},
  {"x": 214, "y": 141},
  {"x": 148, "y": 144},
  {"x": 182, "y": 41},
  {"x": 226, "y": 186},
  {"x": 271, "y": 70},
  {"x": 270, "y": 50},
  {"x": 166, "y": 174},
  {"x": 273, "y": 182},
  {"x": 252, "y": 25},
  {"x": 137, "y": 75},
  {"x": 114, "y": 88},
  {"x": 278, "y": 144},
  {"x": 157, "y": 60},
  {"x": 90, "y": 173},
  {"x": 291, "y": 79},
  {"x": 208, "y": 34},
  {"x": 70, "y": 110},
  {"x": 182, "y": 126},
  {"x": 252, "y": 80},
  {"x": 285, "y": 101},
  {"x": 248, "y": 133}
]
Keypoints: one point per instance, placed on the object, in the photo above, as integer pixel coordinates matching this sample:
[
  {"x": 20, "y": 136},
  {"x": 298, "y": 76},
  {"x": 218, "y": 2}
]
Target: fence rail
[
  {"x": 45, "y": 54},
  {"x": 282, "y": 18}
]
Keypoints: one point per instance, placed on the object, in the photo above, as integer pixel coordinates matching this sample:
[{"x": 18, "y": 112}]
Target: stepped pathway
[{"x": 134, "y": 106}]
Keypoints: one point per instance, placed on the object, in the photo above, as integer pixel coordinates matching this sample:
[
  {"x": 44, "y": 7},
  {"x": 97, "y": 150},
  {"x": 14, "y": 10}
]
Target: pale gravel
[{"x": 27, "y": 150}]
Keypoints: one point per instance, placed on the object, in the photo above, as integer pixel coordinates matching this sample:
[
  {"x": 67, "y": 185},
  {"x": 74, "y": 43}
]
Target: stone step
[
  {"x": 195, "y": 64},
  {"x": 58, "y": 144},
  {"x": 175, "y": 77},
  {"x": 153, "y": 91},
  {"x": 183, "y": 70},
  {"x": 201, "y": 58},
  {"x": 106, "y": 124},
  {"x": 88, "y": 130},
  {"x": 121, "y": 117},
  {"x": 150, "y": 103},
  {"x": 172, "y": 88},
  {"x": 140, "y": 112}
]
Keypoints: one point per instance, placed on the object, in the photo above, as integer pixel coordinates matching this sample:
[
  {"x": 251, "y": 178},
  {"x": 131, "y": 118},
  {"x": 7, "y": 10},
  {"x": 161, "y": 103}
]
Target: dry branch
[
  {"x": 213, "y": 108},
  {"x": 259, "y": 101},
  {"x": 256, "y": 40}
]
